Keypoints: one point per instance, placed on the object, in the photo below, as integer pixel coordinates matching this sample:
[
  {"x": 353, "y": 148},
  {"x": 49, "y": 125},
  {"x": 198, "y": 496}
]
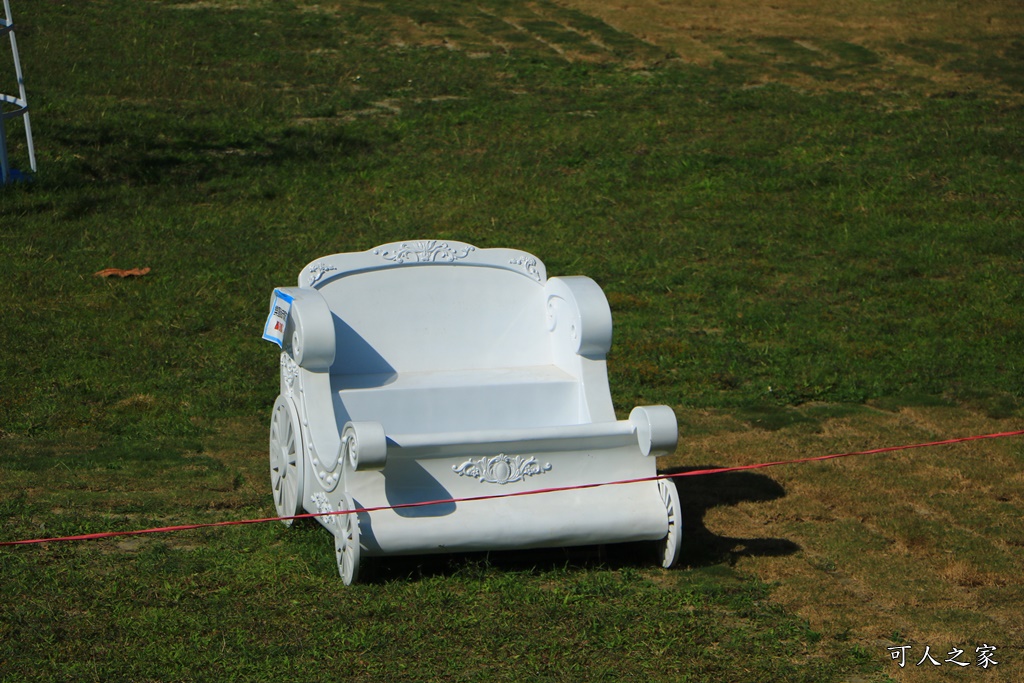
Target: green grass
[
  {"x": 787, "y": 261},
  {"x": 258, "y": 609},
  {"x": 256, "y": 603}
]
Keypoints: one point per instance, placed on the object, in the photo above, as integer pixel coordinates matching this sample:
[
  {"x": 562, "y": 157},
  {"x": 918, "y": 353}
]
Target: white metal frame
[{"x": 19, "y": 102}]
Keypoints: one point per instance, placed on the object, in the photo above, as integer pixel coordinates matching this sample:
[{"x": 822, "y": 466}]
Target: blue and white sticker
[{"x": 280, "y": 305}]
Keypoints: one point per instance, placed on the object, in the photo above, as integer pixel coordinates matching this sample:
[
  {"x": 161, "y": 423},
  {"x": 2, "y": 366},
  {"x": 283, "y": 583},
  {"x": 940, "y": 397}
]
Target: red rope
[{"x": 449, "y": 501}]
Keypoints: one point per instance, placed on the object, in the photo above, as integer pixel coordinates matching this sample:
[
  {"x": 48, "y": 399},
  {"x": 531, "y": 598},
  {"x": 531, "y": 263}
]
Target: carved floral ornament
[
  {"x": 429, "y": 251},
  {"x": 501, "y": 468},
  {"x": 529, "y": 264},
  {"x": 290, "y": 372},
  {"x": 323, "y": 507},
  {"x": 318, "y": 270}
]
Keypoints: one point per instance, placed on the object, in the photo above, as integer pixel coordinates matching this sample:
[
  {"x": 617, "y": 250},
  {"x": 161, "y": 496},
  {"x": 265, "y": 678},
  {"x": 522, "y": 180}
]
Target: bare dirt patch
[
  {"x": 945, "y": 45},
  {"x": 931, "y": 46},
  {"x": 845, "y": 20}
]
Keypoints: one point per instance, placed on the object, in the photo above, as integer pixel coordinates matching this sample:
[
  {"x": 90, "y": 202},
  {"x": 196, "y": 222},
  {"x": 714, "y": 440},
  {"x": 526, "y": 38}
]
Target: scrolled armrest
[
  {"x": 309, "y": 333},
  {"x": 656, "y": 429},
  {"x": 578, "y": 311},
  {"x": 365, "y": 445}
]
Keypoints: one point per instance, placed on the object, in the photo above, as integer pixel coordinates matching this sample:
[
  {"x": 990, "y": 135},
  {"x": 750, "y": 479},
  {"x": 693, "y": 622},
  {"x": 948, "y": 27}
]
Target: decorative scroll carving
[
  {"x": 348, "y": 449},
  {"x": 317, "y": 271},
  {"x": 501, "y": 468},
  {"x": 529, "y": 264},
  {"x": 423, "y": 252},
  {"x": 289, "y": 372},
  {"x": 323, "y": 506}
]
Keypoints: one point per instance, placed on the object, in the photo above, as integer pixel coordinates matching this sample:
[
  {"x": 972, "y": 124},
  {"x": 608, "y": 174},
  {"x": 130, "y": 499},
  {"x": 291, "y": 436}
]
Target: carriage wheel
[
  {"x": 346, "y": 543},
  {"x": 286, "y": 468},
  {"x": 674, "y": 539}
]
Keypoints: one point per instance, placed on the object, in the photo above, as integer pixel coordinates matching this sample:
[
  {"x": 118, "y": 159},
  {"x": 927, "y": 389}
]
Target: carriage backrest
[{"x": 433, "y": 307}]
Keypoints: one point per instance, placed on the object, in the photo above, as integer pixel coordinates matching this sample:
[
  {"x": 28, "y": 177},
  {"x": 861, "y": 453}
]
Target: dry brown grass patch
[
  {"x": 892, "y": 549},
  {"x": 701, "y": 32}
]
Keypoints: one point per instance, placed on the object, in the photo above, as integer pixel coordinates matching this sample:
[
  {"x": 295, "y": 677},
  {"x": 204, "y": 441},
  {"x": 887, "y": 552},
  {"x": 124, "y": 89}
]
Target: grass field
[{"x": 810, "y": 228}]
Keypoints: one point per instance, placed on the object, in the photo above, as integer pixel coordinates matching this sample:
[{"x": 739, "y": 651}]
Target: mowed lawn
[{"x": 808, "y": 224}]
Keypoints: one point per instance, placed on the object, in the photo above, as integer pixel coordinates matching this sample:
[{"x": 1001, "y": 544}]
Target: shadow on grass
[
  {"x": 380, "y": 570},
  {"x": 698, "y": 495},
  {"x": 188, "y": 154}
]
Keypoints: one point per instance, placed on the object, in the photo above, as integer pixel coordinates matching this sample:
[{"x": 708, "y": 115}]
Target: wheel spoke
[
  {"x": 285, "y": 459},
  {"x": 674, "y": 536},
  {"x": 346, "y": 544}
]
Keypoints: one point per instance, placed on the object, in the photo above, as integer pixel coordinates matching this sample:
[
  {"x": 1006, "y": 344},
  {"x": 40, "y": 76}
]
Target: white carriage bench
[{"x": 436, "y": 371}]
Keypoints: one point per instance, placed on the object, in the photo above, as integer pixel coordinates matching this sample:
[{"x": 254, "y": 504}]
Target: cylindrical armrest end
[
  {"x": 656, "y": 429},
  {"x": 579, "y": 312},
  {"x": 309, "y": 334},
  {"x": 365, "y": 445}
]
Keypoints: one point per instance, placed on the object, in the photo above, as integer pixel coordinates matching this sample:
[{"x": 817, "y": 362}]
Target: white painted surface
[{"x": 433, "y": 371}]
